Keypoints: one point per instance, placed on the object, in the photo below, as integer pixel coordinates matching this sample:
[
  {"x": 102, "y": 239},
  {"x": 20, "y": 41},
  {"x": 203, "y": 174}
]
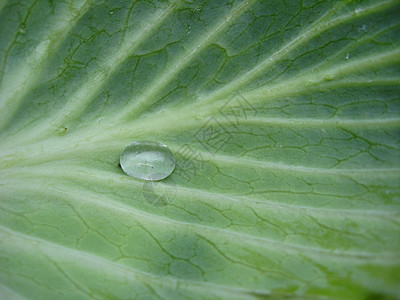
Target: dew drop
[
  {"x": 111, "y": 12},
  {"x": 148, "y": 160},
  {"x": 61, "y": 130},
  {"x": 363, "y": 28},
  {"x": 347, "y": 55}
]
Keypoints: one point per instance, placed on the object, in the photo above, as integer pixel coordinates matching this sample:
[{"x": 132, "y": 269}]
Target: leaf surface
[{"x": 284, "y": 121}]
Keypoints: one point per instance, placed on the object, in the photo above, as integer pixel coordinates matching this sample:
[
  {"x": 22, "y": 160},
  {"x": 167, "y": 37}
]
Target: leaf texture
[{"x": 284, "y": 120}]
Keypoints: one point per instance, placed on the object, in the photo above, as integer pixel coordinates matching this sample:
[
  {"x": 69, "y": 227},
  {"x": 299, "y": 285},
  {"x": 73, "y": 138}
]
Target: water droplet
[
  {"x": 347, "y": 55},
  {"x": 61, "y": 130},
  {"x": 148, "y": 160},
  {"x": 111, "y": 12},
  {"x": 363, "y": 28},
  {"x": 358, "y": 10}
]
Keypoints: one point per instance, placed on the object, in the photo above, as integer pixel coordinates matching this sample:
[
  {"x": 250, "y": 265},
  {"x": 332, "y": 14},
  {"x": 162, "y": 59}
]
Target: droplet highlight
[{"x": 147, "y": 160}]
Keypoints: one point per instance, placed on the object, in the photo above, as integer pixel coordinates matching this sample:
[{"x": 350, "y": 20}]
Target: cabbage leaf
[{"x": 284, "y": 120}]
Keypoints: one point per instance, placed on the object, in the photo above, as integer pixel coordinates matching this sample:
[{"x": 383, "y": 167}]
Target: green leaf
[{"x": 283, "y": 117}]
